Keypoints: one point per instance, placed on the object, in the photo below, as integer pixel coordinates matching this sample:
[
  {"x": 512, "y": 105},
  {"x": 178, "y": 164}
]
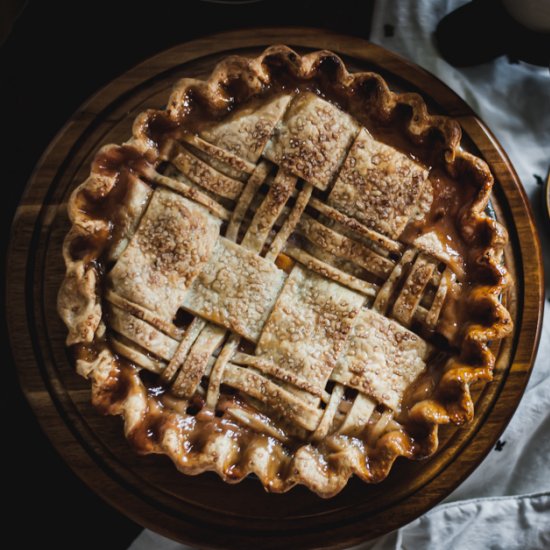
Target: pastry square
[
  {"x": 378, "y": 185},
  {"x": 382, "y": 358},
  {"x": 309, "y": 326},
  {"x": 171, "y": 246},
  {"x": 246, "y": 132},
  {"x": 236, "y": 289},
  {"x": 312, "y": 139}
]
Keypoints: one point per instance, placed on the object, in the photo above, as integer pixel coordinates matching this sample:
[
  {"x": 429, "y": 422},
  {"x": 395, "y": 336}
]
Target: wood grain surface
[{"x": 203, "y": 510}]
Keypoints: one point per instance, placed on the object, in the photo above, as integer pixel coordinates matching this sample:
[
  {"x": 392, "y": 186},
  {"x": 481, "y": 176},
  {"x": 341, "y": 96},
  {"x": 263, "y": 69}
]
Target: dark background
[{"x": 52, "y": 57}]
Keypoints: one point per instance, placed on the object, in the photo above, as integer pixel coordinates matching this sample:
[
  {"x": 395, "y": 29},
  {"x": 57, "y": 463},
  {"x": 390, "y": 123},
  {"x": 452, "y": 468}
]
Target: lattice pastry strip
[
  {"x": 256, "y": 179},
  {"x": 128, "y": 215},
  {"x": 280, "y": 401},
  {"x": 167, "y": 327},
  {"x": 290, "y": 223},
  {"x": 413, "y": 288},
  {"x": 269, "y": 210},
  {"x": 216, "y": 375},
  {"x": 201, "y": 173},
  {"x": 185, "y": 188},
  {"x": 330, "y": 272},
  {"x": 383, "y": 242},
  {"x": 258, "y": 422},
  {"x": 126, "y": 348},
  {"x": 387, "y": 290},
  {"x": 436, "y": 247},
  {"x": 277, "y": 371},
  {"x": 142, "y": 333},
  {"x": 446, "y": 281},
  {"x": 192, "y": 332},
  {"x": 329, "y": 412},
  {"x": 343, "y": 247},
  {"x": 223, "y": 157},
  {"x": 358, "y": 415},
  {"x": 193, "y": 369}
]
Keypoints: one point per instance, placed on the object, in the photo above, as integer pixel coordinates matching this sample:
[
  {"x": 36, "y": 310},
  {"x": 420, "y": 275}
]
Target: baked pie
[{"x": 288, "y": 271}]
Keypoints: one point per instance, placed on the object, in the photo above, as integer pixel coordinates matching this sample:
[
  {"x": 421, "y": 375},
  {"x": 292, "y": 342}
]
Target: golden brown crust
[{"x": 325, "y": 469}]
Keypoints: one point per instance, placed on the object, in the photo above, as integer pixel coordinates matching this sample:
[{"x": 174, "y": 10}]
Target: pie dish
[{"x": 288, "y": 272}]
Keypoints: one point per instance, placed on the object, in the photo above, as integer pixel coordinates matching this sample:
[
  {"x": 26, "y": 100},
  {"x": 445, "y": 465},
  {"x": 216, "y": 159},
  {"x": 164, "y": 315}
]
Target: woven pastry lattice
[{"x": 259, "y": 262}]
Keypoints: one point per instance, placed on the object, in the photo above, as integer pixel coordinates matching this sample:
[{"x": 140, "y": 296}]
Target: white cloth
[{"x": 505, "y": 503}]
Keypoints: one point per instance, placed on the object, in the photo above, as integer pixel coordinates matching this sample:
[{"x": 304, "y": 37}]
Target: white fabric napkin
[{"x": 505, "y": 503}]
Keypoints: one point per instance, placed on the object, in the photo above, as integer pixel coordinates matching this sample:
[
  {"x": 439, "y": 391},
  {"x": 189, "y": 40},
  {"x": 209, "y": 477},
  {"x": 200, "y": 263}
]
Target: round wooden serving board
[{"x": 203, "y": 510}]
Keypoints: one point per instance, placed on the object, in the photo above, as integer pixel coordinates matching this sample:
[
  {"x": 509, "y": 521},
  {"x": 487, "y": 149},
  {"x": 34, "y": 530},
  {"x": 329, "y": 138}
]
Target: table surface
[{"x": 42, "y": 86}]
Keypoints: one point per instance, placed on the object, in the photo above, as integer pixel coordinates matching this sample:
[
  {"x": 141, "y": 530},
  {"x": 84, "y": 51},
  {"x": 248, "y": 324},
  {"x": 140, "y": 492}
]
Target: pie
[{"x": 289, "y": 272}]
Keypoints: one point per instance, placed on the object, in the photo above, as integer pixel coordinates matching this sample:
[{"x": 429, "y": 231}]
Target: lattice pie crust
[{"x": 287, "y": 272}]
